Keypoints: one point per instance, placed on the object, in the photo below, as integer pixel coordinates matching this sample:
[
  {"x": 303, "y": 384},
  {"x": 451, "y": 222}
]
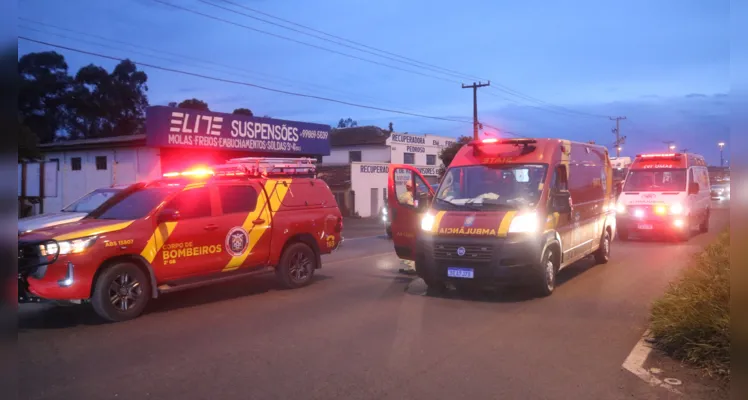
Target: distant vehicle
[
  {"x": 507, "y": 211},
  {"x": 72, "y": 213},
  {"x": 665, "y": 193},
  {"x": 191, "y": 228},
  {"x": 721, "y": 190}
]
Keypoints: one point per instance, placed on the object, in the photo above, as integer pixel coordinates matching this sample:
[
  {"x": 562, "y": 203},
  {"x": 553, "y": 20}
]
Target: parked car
[{"x": 72, "y": 213}]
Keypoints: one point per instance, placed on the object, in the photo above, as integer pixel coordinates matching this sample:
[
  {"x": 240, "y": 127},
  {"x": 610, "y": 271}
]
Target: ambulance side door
[
  {"x": 408, "y": 197},
  {"x": 564, "y": 220}
]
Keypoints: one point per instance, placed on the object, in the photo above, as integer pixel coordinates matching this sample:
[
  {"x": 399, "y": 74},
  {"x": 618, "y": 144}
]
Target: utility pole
[
  {"x": 617, "y": 131},
  {"x": 475, "y": 87}
]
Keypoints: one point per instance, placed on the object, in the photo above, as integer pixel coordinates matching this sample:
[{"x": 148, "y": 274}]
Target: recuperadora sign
[{"x": 185, "y": 128}]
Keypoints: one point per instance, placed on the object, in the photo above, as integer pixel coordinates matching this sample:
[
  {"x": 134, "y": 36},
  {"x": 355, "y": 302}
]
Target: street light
[
  {"x": 721, "y": 153},
  {"x": 672, "y": 147}
]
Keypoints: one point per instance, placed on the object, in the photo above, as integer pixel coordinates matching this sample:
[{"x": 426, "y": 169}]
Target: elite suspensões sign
[{"x": 185, "y": 128}]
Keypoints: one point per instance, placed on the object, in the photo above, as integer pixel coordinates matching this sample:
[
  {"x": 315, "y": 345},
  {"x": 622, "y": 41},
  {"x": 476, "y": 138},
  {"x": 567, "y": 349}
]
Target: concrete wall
[
  {"x": 339, "y": 155},
  {"x": 368, "y": 176}
]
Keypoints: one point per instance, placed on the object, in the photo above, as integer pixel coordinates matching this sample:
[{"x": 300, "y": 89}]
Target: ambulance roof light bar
[
  {"x": 502, "y": 141},
  {"x": 660, "y": 156}
]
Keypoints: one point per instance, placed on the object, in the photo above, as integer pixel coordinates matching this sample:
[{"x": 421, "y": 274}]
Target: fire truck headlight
[
  {"x": 677, "y": 209},
  {"x": 69, "y": 246}
]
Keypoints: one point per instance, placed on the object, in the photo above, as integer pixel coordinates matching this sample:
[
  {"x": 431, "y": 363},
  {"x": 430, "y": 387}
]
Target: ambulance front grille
[{"x": 473, "y": 253}]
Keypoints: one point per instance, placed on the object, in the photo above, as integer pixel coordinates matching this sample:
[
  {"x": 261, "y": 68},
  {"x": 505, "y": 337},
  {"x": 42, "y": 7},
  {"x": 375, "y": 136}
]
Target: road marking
[{"x": 635, "y": 364}]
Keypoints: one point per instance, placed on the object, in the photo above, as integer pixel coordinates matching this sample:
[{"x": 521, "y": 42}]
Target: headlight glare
[
  {"x": 73, "y": 246},
  {"x": 676, "y": 209},
  {"x": 524, "y": 223},
  {"x": 427, "y": 222}
]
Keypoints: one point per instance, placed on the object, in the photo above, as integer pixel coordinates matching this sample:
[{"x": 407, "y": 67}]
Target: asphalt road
[{"x": 362, "y": 331}]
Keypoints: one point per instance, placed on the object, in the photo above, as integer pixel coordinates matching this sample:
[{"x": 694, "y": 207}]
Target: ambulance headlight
[
  {"x": 384, "y": 211},
  {"x": 620, "y": 208},
  {"x": 524, "y": 223},
  {"x": 68, "y": 246},
  {"x": 677, "y": 209},
  {"x": 427, "y": 222}
]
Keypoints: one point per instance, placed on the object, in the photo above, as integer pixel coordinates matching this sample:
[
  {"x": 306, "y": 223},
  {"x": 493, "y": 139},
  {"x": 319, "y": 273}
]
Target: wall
[
  {"x": 339, "y": 155},
  {"x": 124, "y": 166},
  {"x": 365, "y": 176},
  {"x": 419, "y": 145}
]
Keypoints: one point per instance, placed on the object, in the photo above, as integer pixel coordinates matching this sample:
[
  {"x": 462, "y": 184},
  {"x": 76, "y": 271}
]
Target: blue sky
[{"x": 664, "y": 64}]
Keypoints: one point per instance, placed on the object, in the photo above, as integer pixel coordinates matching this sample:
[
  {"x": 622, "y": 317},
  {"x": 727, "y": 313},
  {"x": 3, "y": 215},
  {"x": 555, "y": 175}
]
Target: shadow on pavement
[{"x": 57, "y": 317}]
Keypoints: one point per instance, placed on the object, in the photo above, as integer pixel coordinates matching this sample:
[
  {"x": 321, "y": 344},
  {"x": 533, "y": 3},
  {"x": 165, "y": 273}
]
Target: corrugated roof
[
  {"x": 114, "y": 141},
  {"x": 336, "y": 176},
  {"x": 359, "y": 135}
]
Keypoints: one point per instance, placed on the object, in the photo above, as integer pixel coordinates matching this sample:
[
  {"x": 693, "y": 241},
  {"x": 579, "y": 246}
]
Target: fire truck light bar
[
  {"x": 669, "y": 155},
  {"x": 265, "y": 166}
]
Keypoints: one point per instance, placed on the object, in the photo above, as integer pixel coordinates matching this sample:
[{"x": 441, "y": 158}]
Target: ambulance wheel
[
  {"x": 297, "y": 266},
  {"x": 602, "y": 255},
  {"x": 121, "y": 292},
  {"x": 704, "y": 226},
  {"x": 545, "y": 282}
]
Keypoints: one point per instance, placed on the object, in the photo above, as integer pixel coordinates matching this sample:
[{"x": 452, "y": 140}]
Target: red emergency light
[
  {"x": 197, "y": 172},
  {"x": 483, "y": 146},
  {"x": 660, "y": 156}
]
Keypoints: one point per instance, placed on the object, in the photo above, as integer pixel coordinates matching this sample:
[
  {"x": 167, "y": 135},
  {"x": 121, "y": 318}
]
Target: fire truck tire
[
  {"x": 602, "y": 255},
  {"x": 545, "y": 281},
  {"x": 121, "y": 292},
  {"x": 297, "y": 266}
]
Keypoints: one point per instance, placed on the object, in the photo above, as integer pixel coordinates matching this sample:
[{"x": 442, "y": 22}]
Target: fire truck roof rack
[{"x": 266, "y": 167}]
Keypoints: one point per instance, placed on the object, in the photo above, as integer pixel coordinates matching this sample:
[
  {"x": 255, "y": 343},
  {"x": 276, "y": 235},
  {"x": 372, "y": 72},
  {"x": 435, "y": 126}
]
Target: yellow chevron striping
[
  {"x": 505, "y": 222},
  {"x": 94, "y": 231},
  {"x": 156, "y": 241},
  {"x": 437, "y": 220},
  {"x": 276, "y": 190}
]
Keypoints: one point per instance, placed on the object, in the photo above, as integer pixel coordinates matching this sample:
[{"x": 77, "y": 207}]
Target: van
[
  {"x": 506, "y": 211},
  {"x": 666, "y": 194}
]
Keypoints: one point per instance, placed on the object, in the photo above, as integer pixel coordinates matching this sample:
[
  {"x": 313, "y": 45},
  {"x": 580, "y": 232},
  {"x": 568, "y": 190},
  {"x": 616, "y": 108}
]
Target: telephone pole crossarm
[
  {"x": 617, "y": 131},
  {"x": 475, "y": 87}
]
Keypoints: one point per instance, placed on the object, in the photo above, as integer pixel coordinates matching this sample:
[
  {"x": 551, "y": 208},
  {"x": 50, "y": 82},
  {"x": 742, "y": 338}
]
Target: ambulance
[
  {"x": 506, "y": 211},
  {"x": 665, "y": 194}
]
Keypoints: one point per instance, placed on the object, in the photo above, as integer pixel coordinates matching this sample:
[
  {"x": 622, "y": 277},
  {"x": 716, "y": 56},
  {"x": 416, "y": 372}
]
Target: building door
[{"x": 374, "y": 202}]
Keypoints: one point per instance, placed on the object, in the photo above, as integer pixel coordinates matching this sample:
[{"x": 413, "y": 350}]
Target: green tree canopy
[{"x": 243, "y": 111}]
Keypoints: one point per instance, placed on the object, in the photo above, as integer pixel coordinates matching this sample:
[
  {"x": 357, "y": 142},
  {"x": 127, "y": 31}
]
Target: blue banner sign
[{"x": 185, "y": 128}]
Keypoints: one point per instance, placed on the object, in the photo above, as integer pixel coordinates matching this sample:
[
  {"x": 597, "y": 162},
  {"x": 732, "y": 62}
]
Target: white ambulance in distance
[{"x": 665, "y": 193}]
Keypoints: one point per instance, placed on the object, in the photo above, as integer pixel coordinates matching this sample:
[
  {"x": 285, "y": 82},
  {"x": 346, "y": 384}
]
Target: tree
[
  {"x": 448, "y": 153},
  {"x": 390, "y": 127},
  {"x": 43, "y": 92},
  {"x": 194, "y": 104},
  {"x": 104, "y": 104},
  {"x": 27, "y": 142},
  {"x": 347, "y": 123},
  {"x": 243, "y": 111}
]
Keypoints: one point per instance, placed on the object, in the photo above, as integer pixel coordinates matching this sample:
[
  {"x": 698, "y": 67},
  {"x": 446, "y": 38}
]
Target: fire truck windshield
[
  {"x": 656, "y": 180},
  {"x": 132, "y": 204},
  {"x": 491, "y": 186}
]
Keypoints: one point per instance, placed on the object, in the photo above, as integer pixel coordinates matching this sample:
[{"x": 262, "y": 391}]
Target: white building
[{"x": 357, "y": 167}]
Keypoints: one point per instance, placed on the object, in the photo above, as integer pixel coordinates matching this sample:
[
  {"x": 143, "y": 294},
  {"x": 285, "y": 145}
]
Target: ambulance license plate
[
  {"x": 645, "y": 227},
  {"x": 463, "y": 273}
]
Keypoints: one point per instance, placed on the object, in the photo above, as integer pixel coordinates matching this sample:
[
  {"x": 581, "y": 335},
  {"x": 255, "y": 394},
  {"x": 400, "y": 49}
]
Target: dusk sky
[{"x": 663, "y": 64}]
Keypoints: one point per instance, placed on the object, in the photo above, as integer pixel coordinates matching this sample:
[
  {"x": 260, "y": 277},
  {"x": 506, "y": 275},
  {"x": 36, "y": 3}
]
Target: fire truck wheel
[
  {"x": 121, "y": 292},
  {"x": 602, "y": 255},
  {"x": 297, "y": 266},
  {"x": 545, "y": 282}
]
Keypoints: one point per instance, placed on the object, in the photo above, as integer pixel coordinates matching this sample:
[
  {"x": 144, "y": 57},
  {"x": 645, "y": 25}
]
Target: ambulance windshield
[
  {"x": 515, "y": 186},
  {"x": 655, "y": 180}
]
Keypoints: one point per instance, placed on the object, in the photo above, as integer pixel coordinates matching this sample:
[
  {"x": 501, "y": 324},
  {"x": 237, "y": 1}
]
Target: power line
[
  {"x": 410, "y": 61},
  {"x": 348, "y": 40},
  {"x": 303, "y": 43},
  {"x": 181, "y": 57},
  {"x": 427, "y": 67},
  {"x": 178, "y": 71}
]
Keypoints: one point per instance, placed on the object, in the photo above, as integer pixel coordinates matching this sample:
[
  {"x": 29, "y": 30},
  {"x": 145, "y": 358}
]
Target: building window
[
  {"x": 409, "y": 158},
  {"x": 75, "y": 163},
  {"x": 430, "y": 159},
  {"x": 100, "y": 163},
  {"x": 354, "y": 156}
]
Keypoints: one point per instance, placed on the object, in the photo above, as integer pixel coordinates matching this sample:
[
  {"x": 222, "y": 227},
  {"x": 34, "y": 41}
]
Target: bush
[{"x": 691, "y": 322}]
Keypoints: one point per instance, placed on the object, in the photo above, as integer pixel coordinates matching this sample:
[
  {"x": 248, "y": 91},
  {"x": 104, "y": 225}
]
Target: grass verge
[{"x": 691, "y": 322}]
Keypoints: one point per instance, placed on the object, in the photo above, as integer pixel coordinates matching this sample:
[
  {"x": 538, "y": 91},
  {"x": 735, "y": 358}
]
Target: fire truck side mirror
[{"x": 168, "y": 215}]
